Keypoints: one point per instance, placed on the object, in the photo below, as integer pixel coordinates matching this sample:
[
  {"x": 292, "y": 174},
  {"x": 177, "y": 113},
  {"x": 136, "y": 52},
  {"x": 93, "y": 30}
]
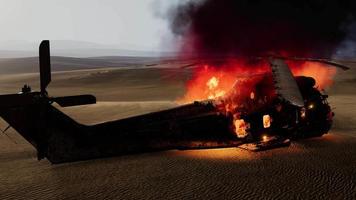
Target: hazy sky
[{"x": 132, "y": 24}]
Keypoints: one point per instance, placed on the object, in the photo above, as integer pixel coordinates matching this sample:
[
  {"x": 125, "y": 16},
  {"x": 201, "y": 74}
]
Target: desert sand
[{"x": 318, "y": 168}]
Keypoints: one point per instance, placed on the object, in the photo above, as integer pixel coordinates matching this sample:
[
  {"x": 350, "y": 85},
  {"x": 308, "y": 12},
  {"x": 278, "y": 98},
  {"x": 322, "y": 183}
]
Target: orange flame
[
  {"x": 322, "y": 73},
  {"x": 211, "y": 82},
  {"x": 236, "y": 86},
  {"x": 240, "y": 128},
  {"x": 213, "y": 88}
]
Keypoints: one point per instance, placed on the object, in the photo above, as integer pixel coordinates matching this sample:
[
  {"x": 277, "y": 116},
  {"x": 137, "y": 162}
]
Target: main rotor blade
[
  {"x": 74, "y": 100},
  {"x": 330, "y": 62},
  {"x": 45, "y": 65},
  {"x": 325, "y": 61}
]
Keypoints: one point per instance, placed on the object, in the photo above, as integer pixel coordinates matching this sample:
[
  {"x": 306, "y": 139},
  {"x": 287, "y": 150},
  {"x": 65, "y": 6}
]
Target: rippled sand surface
[{"x": 321, "y": 168}]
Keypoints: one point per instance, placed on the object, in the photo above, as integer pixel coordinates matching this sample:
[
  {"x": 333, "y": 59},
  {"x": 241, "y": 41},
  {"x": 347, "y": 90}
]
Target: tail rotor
[{"x": 26, "y": 98}]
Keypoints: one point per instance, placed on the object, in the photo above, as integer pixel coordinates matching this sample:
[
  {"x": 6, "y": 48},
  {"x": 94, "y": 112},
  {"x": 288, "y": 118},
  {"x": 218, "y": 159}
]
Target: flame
[
  {"x": 233, "y": 88},
  {"x": 265, "y": 138},
  {"x": 213, "y": 88},
  {"x": 266, "y": 121},
  {"x": 322, "y": 73},
  {"x": 213, "y": 83},
  {"x": 208, "y": 83},
  {"x": 252, "y": 95},
  {"x": 240, "y": 128},
  {"x": 216, "y": 81},
  {"x": 238, "y": 86}
]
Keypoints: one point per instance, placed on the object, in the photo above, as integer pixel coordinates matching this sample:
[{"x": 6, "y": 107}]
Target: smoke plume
[{"x": 256, "y": 27}]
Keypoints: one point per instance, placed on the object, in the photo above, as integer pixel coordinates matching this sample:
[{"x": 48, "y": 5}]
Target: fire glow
[
  {"x": 212, "y": 82},
  {"x": 237, "y": 86},
  {"x": 322, "y": 73}
]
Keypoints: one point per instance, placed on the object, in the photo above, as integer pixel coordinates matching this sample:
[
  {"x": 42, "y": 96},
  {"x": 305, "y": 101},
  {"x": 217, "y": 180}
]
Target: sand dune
[
  {"x": 30, "y": 64},
  {"x": 319, "y": 168}
]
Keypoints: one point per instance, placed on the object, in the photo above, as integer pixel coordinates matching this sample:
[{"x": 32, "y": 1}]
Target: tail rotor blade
[
  {"x": 74, "y": 100},
  {"x": 45, "y": 65}
]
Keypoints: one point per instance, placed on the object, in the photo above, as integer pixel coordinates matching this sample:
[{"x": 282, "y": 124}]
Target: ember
[
  {"x": 266, "y": 121},
  {"x": 240, "y": 128}
]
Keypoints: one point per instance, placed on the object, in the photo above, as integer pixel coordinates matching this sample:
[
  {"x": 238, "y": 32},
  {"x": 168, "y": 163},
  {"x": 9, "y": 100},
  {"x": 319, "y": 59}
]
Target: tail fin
[
  {"x": 31, "y": 114},
  {"x": 45, "y": 65}
]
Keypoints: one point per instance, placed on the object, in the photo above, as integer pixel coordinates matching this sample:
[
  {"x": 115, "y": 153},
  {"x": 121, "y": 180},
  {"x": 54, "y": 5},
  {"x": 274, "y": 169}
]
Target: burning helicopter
[{"x": 297, "y": 110}]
